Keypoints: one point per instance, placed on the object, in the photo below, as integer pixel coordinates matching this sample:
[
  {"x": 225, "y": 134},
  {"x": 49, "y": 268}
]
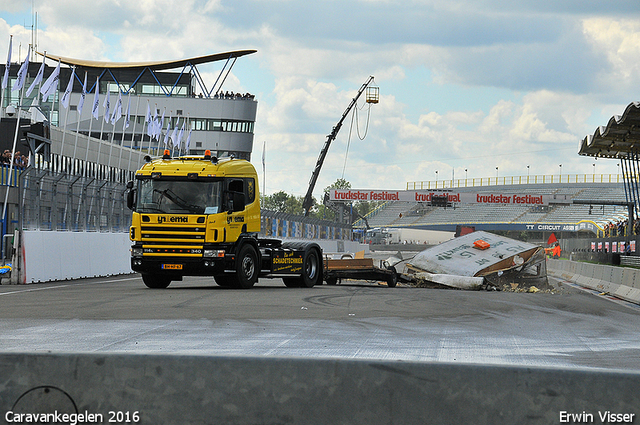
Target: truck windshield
[{"x": 179, "y": 197}]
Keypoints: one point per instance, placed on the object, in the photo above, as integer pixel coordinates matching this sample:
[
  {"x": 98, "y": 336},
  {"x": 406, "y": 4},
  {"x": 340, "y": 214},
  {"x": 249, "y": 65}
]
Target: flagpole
[
  {"x": 84, "y": 93},
  {"x": 91, "y": 117},
  {"x": 160, "y": 130},
  {"x": 113, "y": 123},
  {"x": 147, "y": 119},
  {"x": 124, "y": 126},
  {"x": 105, "y": 119},
  {"x": 13, "y": 160},
  {"x": 66, "y": 114},
  {"x": 133, "y": 134}
]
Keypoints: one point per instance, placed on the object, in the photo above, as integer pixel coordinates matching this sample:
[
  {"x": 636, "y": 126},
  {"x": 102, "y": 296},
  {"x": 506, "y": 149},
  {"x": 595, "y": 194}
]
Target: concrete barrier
[
  {"x": 622, "y": 282},
  {"x": 172, "y": 389},
  {"x": 49, "y": 256}
]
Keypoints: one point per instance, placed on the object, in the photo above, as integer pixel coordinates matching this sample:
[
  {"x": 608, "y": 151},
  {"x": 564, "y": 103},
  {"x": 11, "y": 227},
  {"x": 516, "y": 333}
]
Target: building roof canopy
[
  {"x": 618, "y": 138},
  {"x": 153, "y": 65}
]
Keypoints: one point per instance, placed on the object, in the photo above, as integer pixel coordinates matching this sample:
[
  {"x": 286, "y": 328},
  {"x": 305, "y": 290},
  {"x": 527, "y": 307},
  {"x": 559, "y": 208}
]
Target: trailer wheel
[
  {"x": 155, "y": 281},
  {"x": 392, "y": 280},
  {"x": 247, "y": 267}
]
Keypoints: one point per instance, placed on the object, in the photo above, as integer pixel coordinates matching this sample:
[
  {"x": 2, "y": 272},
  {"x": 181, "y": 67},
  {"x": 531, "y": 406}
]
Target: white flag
[
  {"x": 95, "y": 110},
  {"x": 166, "y": 136},
  {"x": 160, "y": 125},
  {"x": 117, "y": 110},
  {"x": 106, "y": 104},
  {"x": 150, "y": 121},
  {"x": 186, "y": 144},
  {"x": 37, "y": 80},
  {"x": 126, "y": 123},
  {"x": 151, "y": 128},
  {"x": 5, "y": 78},
  {"x": 67, "y": 93},
  {"x": 147, "y": 119},
  {"x": 51, "y": 84},
  {"x": 22, "y": 73},
  {"x": 181, "y": 133},
  {"x": 174, "y": 136},
  {"x": 83, "y": 95}
]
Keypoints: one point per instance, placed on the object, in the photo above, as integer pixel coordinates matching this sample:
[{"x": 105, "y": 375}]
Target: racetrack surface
[{"x": 569, "y": 328}]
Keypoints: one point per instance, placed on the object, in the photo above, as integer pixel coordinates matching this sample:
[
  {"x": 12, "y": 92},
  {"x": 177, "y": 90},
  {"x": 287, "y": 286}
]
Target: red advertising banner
[{"x": 426, "y": 196}]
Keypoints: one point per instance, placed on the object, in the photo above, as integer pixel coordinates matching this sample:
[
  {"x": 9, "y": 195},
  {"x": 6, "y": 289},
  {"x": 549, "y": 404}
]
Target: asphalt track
[{"x": 567, "y": 329}]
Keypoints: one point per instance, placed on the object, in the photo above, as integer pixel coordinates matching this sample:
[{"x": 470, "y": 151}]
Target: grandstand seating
[{"x": 560, "y": 209}]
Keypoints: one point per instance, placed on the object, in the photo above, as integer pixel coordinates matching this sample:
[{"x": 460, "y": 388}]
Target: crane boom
[{"x": 306, "y": 204}]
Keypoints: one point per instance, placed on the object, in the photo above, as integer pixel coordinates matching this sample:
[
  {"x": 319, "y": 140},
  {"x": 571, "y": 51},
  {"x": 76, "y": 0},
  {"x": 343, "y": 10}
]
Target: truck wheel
[
  {"x": 247, "y": 267},
  {"x": 155, "y": 281},
  {"x": 311, "y": 271}
]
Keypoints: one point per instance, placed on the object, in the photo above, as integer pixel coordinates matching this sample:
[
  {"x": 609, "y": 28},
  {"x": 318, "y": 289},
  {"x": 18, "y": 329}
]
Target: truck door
[{"x": 236, "y": 213}]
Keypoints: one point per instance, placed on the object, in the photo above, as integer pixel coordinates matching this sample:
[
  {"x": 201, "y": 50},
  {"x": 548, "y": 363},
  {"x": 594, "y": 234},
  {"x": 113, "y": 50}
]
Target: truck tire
[
  {"x": 155, "y": 281},
  {"x": 311, "y": 271},
  {"x": 247, "y": 267}
]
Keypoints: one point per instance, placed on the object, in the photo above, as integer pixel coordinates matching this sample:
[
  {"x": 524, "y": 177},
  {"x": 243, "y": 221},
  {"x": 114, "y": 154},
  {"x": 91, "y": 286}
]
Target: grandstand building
[{"x": 170, "y": 91}]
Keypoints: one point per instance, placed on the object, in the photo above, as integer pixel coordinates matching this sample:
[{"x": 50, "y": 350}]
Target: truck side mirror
[{"x": 131, "y": 196}]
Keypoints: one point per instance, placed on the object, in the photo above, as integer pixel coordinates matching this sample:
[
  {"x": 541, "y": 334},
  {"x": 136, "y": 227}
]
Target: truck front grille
[{"x": 186, "y": 241}]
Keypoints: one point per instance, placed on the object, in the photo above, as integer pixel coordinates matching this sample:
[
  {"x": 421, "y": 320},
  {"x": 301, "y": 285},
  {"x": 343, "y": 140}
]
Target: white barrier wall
[
  {"x": 48, "y": 256},
  {"x": 622, "y": 282}
]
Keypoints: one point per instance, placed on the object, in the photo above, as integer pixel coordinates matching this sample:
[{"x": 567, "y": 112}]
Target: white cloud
[{"x": 561, "y": 69}]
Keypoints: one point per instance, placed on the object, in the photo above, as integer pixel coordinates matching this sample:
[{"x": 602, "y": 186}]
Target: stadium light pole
[{"x": 560, "y": 165}]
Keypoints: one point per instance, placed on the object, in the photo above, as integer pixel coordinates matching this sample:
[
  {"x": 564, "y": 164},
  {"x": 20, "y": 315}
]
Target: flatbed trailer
[{"x": 358, "y": 269}]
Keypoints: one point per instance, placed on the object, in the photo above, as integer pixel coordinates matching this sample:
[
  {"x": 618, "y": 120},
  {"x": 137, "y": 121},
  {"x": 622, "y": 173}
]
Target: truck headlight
[
  {"x": 136, "y": 252},
  {"x": 211, "y": 253}
]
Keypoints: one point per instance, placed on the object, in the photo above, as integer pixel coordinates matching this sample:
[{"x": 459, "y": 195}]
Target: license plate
[{"x": 172, "y": 266}]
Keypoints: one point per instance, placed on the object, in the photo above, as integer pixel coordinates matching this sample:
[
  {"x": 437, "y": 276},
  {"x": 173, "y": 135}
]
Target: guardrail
[{"x": 516, "y": 180}]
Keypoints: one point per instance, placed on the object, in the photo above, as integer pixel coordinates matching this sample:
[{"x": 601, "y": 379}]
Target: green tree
[{"x": 275, "y": 202}]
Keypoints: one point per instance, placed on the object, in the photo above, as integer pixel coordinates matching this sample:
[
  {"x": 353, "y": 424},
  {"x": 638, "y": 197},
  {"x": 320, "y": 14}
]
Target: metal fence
[{"x": 73, "y": 200}]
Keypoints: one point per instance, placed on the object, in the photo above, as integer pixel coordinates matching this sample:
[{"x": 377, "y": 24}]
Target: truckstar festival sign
[{"x": 348, "y": 195}]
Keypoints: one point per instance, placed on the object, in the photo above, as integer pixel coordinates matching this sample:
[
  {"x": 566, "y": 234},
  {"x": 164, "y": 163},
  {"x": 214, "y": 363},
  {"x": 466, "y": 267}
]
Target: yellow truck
[{"x": 200, "y": 216}]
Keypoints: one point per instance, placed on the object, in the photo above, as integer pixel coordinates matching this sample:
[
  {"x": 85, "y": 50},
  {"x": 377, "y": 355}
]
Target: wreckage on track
[{"x": 480, "y": 260}]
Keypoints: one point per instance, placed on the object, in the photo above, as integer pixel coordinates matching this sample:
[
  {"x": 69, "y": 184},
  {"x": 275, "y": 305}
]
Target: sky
[{"x": 468, "y": 88}]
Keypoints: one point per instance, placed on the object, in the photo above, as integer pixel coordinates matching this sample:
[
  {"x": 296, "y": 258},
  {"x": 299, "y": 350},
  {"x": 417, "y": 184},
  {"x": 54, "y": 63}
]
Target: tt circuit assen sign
[{"x": 349, "y": 195}]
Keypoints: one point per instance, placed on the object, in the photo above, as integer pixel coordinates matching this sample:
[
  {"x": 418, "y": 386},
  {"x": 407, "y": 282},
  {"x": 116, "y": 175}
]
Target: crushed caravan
[{"x": 467, "y": 263}]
